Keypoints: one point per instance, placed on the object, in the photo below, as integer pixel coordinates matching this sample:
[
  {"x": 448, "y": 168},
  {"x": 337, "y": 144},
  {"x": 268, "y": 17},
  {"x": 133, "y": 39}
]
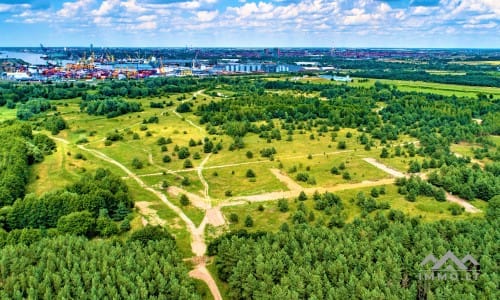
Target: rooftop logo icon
[{"x": 450, "y": 267}]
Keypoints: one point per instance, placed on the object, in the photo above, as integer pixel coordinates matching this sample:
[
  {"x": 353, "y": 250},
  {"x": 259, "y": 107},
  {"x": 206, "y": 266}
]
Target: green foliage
[
  {"x": 55, "y": 124},
  {"x": 21, "y": 150},
  {"x": 137, "y": 163},
  {"x": 363, "y": 260},
  {"x": 183, "y": 153},
  {"x": 184, "y": 200},
  {"x": 32, "y": 107},
  {"x": 233, "y": 218},
  {"x": 77, "y": 223},
  {"x": 74, "y": 268},
  {"x": 187, "y": 164},
  {"x": 250, "y": 173},
  {"x": 109, "y": 107},
  {"x": 283, "y": 205},
  {"x": 183, "y": 107},
  {"x": 468, "y": 183},
  {"x": 248, "y": 221},
  {"x": 150, "y": 233}
]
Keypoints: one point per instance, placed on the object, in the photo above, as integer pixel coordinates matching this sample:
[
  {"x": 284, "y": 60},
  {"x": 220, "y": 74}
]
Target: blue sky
[{"x": 246, "y": 23}]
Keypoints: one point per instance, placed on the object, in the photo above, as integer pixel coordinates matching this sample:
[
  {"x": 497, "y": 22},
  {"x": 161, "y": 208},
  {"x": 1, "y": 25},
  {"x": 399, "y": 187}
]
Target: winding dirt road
[
  {"x": 198, "y": 246},
  {"x": 449, "y": 197}
]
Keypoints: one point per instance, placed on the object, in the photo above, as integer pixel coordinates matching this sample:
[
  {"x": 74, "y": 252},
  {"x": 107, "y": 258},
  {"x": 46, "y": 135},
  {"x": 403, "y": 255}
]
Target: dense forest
[
  {"x": 373, "y": 258},
  {"x": 147, "y": 266}
]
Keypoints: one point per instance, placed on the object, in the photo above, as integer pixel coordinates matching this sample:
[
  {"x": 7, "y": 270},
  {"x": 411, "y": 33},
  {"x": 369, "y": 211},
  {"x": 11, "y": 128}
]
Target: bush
[
  {"x": 136, "y": 163},
  {"x": 304, "y": 177},
  {"x": 77, "y": 223},
  {"x": 150, "y": 233},
  {"x": 233, "y": 218},
  {"x": 342, "y": 145},
  {"x": 184, "y": 200},
  {"x": 283, "y": 205},
  {"x": 335, "y": 171},
  {"x": 374, "y": 193},
  {"x": 188, "y": 164},
  {"x": 183, "y": 153},
  {"x": 249, "y": 154},
  {"x": 250, "y": 173},
  {"x": 248, "y": 221},
  {"x": 346, "y": 176},
  {"x": 166, "y": 159},
  {"x": 228, "y": 193},
  {"x": 302, "y": 196}
]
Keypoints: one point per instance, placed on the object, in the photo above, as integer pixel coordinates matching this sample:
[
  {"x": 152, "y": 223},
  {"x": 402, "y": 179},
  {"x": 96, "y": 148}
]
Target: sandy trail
[
  {"x": 189, "y": 121},
  {"x": 449, "y": 197},
  {"x": 200, "y": 272},
  {"x": 195, "y": 199},
  {"x": 202, "y": 179},
  {"x": 198, "y": 246}
]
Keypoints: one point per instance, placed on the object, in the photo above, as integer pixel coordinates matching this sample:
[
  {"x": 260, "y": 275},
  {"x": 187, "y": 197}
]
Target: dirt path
[
  {"x": 153, "y": 217},
  {"x": 196, "y": 200},
  {"x": 198, "y": 246},
  {"x": 449, "y": 197},
  {"x": 375, "y": 163},
  {"x": 295, "y": 193},
  {"x": 200, "y": 272},
  {"x": 289, "y": 182},
  {"x": 202, "y": 179},
  {"x": 189, "y": 121}
]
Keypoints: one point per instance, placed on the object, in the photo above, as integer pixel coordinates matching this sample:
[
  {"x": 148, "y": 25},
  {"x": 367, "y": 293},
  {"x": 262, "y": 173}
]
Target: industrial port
[{"x": 98, "y": 63}]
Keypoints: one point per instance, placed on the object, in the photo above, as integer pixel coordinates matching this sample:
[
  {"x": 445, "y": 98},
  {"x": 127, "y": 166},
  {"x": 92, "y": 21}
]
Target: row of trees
[{"x": 20, "y": 149}]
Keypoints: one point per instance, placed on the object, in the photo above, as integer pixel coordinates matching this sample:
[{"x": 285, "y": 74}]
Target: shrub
[
  {"x": 136, "y": 163},
  {"x": 250, "y": 173},
  {"x": 283, "y": 205},
  {"x": 233, "y": 218},
  {"x": 166, "y": 159},
  {"x": 188, "y": 164},
  {"x": 184, "y": 200},
  {"x": 304, "y": 177},
  {"x": 248, "y": 221}
]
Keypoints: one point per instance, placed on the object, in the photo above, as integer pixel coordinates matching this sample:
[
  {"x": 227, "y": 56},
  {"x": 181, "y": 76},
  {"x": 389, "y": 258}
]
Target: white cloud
[
  {"x": 106, "y": 7},
  {"x": 207, "y": 16},
  {"x": 71, "y": 9},
  {"x": 150, "y": 25}
]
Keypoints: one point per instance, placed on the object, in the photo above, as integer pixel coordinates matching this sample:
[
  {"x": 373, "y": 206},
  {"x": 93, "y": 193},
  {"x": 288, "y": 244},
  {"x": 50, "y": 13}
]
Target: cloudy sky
[{"x": 248, "y": 23}]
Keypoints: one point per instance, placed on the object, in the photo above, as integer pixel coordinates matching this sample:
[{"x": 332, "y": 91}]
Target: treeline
[
  {"x": 146, "y": 266},
  {"x": 87, "y": 207},
  {"x": 468, "y": 183},
  {"x": 150, "y": 87},
  {"x": 19, "y": 150},
  {"x": 236, "y": 116},
  {"x": 474, "y": 79},
  {"x": 110, "y": 107},
  {"x": 375, "y": 258},
  {"x": 11, "y": 93}
]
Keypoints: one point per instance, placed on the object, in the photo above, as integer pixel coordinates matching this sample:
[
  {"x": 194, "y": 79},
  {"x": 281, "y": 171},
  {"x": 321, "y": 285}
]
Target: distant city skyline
[{"x": 245, "y": 23}]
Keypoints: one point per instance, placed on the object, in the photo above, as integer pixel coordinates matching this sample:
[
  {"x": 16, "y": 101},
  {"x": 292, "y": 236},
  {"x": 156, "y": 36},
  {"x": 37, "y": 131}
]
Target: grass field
[
  {"x": 308, "y": 151},
  {"x": 420, "y": 86},
  {"x": 7, "y": 114},
  {"x": 270, "y": 218}
]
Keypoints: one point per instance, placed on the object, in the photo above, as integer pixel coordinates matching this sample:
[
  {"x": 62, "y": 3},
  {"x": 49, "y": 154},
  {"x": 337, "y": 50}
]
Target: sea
[{"x": 30, "y": 57}]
